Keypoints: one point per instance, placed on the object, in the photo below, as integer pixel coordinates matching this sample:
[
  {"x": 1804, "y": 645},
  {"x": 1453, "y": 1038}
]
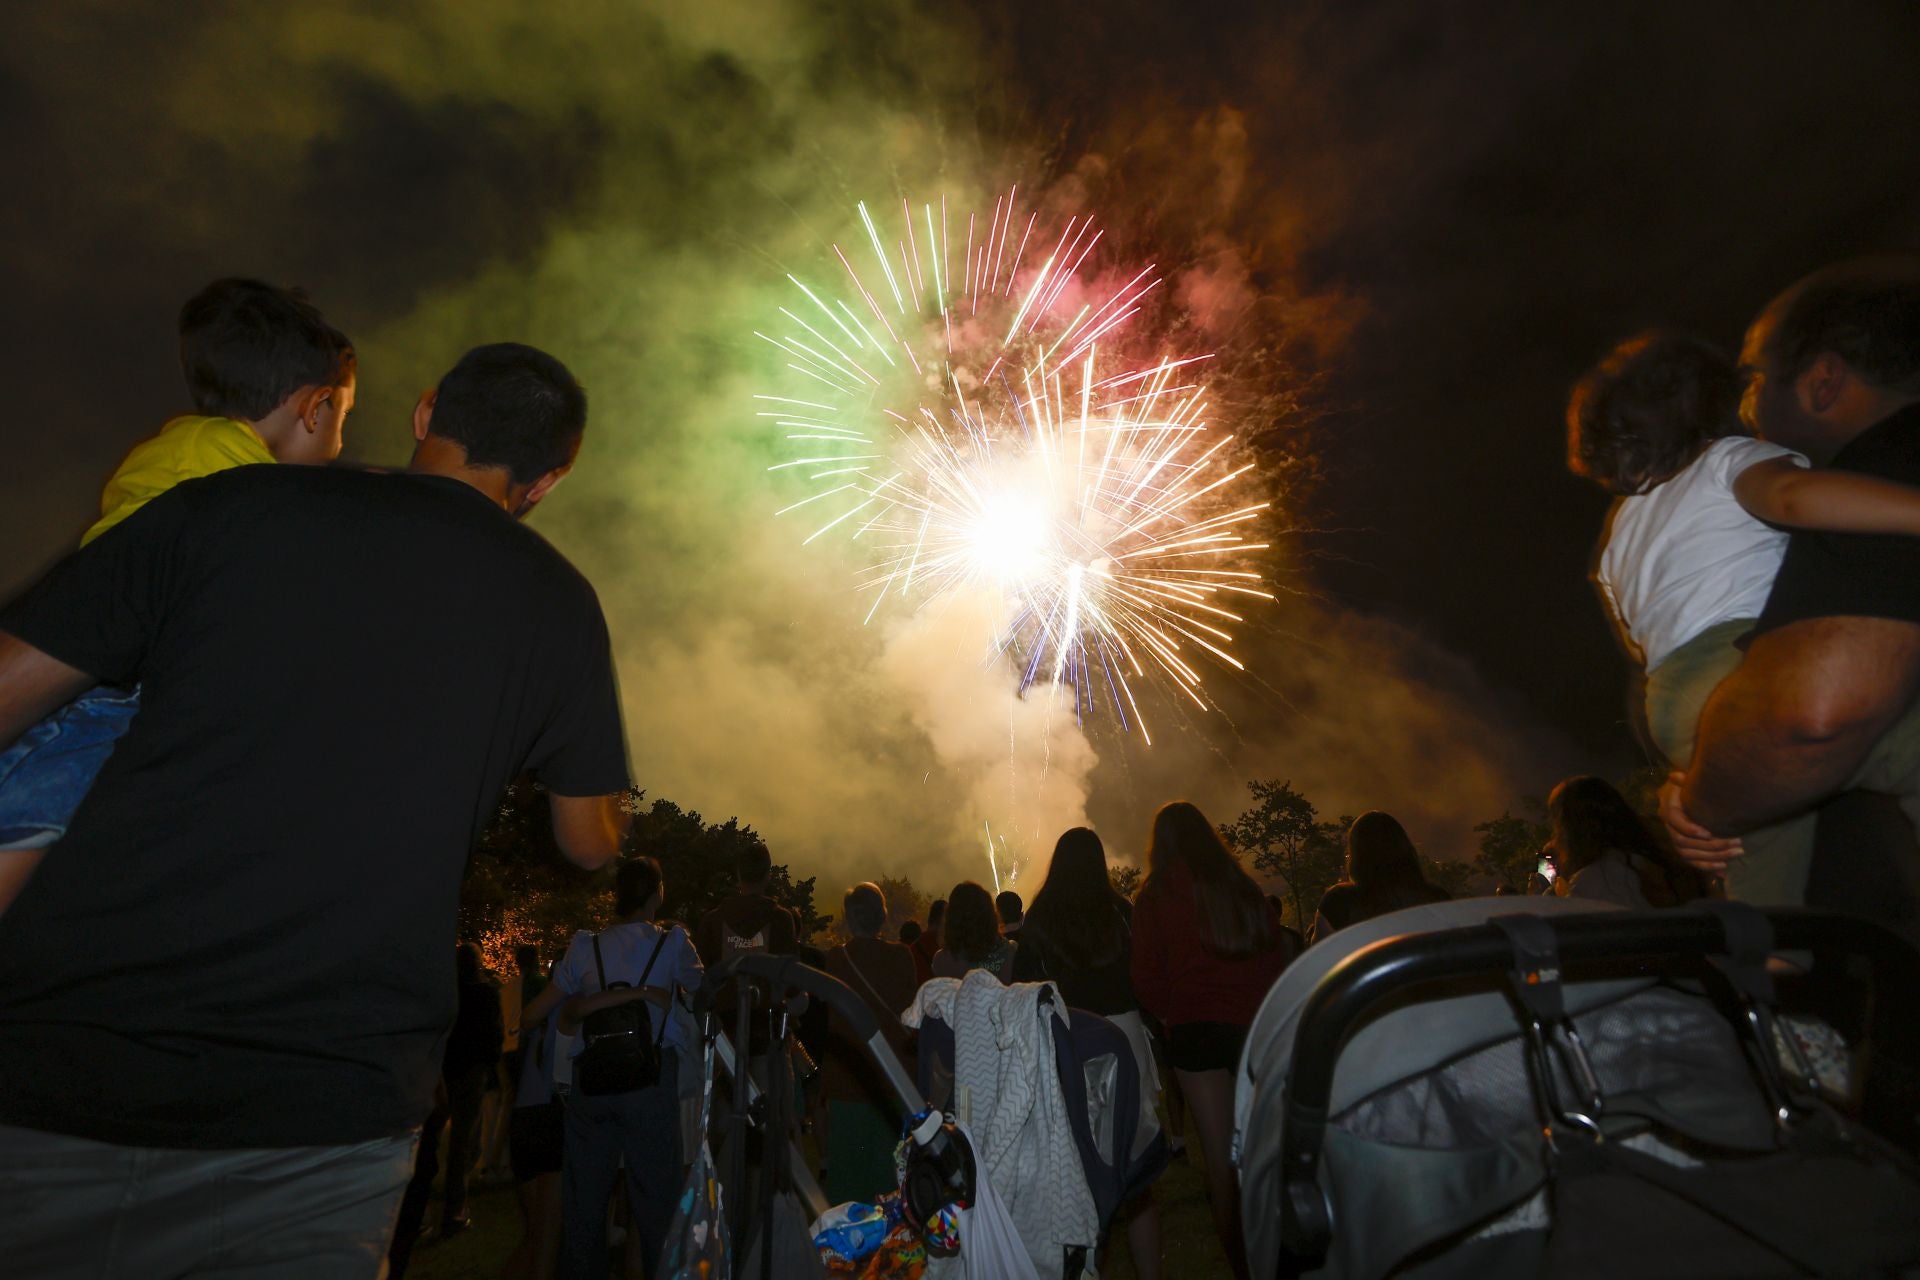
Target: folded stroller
[{"x": 1549, "y": 1087}]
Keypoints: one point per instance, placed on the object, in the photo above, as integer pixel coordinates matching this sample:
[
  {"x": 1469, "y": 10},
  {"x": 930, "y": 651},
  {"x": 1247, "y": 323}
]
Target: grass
[{"x": 1189, "y": 1250}]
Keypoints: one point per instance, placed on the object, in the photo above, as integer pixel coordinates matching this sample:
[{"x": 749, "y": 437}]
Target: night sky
[{"x": 1445, "y": 210}]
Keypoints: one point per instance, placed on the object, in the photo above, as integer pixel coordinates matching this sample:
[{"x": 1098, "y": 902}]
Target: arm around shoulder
[{"x": 1780, "y": 492}]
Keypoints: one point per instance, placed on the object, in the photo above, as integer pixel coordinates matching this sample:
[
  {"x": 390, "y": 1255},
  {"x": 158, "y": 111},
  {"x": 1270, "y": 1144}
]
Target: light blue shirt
[{"x": 625, "y": 949}]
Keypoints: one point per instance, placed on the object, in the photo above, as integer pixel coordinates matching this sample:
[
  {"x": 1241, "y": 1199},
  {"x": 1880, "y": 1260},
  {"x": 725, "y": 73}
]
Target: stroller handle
[
  {"x": 783, "y": 972},
  {"x": 1362, "y": 981}
]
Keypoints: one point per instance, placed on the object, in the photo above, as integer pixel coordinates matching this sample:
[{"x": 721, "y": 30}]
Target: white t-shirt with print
[{"x": 1686, "y": 556}]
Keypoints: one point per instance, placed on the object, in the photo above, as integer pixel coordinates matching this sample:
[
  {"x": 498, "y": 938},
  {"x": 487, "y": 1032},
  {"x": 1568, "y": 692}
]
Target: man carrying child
[{"x": 224, "y": 990}]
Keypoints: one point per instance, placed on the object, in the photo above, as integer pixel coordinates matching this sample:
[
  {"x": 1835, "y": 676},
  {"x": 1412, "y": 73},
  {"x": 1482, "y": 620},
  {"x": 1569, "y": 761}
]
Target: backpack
[{"x": 622, "y": 1054}]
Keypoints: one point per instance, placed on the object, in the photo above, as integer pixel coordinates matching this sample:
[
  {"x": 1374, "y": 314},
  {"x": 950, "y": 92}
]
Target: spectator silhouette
[
  {"x": 863, "y": 1124},
  {"x": 639, "y": 1129},
  {"x": 1205, "y": 951},
  {"x": 1383, "y": 874},
  {"x": 973, "y": 937},
  {"x": 927, "y": 945},
  {"x": 1603, "y": 849},
  {"x": 1007, "y": 903},
  {"x": 1079, "y": 936}
]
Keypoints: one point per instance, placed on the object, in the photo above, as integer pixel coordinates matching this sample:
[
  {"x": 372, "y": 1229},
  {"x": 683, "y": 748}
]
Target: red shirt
[{"x": 1177, "y": 978}]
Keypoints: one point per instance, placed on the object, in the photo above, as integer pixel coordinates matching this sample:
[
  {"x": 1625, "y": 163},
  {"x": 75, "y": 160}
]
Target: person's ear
[
  {"x": 1823, "y": 382},
  {"x": 544, "y": 485},
  {"x": 310, "y": 403},
  {"x": 423, "y": 413}
]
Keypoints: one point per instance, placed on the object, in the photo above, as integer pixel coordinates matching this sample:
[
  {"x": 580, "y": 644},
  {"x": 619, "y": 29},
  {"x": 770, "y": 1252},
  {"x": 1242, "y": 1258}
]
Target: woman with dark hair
[
  {"x": 1603, "y": 849},
  {"x": 1078, "y": 934},
  {"x": 972, "y": 936},
  {"x": 1383, "y": 874},
  {"x": 1205, "y": 952}
]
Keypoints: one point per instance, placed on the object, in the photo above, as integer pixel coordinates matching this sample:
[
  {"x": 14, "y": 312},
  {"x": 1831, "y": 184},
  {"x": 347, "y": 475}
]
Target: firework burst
[{"x": 974, "y": 406}]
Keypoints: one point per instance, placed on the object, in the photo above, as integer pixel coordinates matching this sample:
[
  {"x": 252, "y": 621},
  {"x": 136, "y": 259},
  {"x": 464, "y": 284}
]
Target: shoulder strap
[
  {"x": 598, "y": 963},
  {"x": 877, "y": 998},
  {"x": 658, "y": 943},
  {"x": 665, "y": 1014}
]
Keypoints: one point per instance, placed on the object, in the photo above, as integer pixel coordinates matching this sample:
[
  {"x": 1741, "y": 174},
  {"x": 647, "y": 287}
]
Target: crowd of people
[{"x": 254, "y": 726}]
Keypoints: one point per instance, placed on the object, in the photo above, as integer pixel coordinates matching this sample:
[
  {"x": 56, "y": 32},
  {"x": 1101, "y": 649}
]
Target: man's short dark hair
[
  {"x": 1008, "y": 904},
  {"x": 245, "y": 346},
  {"x": 1865, "y": 312},
  {"x": 513, "y": 406},
  {"x": 753, "y": 865},
  {"x": 637, "y": 880},
  {"x": 1648, "y": 409}
]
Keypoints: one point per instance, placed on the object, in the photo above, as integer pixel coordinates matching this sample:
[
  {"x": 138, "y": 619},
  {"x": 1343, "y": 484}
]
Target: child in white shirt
[{"x": 1695, "y": 538}]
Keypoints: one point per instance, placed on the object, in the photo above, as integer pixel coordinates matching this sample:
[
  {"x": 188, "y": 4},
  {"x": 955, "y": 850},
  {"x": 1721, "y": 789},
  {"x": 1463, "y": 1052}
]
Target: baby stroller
[
  {"x": 768, "y": 1237},
  {"x": 1550, "y": 1087}
]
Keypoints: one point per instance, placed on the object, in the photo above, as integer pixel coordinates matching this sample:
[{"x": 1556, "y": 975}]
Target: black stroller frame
[
  {"x": 940, "y": 1168},
  {"x": 1667, "y": 943}
]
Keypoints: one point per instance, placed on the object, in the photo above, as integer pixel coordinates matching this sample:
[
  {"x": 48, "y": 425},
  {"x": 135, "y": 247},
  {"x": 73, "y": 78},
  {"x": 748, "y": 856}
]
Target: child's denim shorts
[{"x": 45, "y": 775}]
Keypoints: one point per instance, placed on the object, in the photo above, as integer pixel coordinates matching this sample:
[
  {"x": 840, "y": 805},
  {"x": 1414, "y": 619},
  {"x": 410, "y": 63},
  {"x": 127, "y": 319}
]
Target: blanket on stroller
[{"x": 1007, "y": 1090}]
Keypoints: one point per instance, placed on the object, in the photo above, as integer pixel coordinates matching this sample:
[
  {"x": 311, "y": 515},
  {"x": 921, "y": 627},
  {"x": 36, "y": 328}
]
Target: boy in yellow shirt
[{"x": 272, "y": 382}]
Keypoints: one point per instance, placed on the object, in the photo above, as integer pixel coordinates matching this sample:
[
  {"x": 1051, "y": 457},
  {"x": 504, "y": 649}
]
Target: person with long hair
[
  {"x": 1206, "y": 949},
  {"x": 1078, "y": 934},
  {"x": 1383, "y": 874},
  {"x": 973, "y": 938},
  {"x": 1603, "y": 849}
]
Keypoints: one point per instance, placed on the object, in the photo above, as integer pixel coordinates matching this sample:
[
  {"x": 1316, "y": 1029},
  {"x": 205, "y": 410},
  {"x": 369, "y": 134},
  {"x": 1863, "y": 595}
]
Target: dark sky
[{"x": 1493, "y": 191}]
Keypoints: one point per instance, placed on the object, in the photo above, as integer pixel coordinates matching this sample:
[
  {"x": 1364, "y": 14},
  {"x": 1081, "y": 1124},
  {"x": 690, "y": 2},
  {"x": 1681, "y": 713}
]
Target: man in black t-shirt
[
  {"x": 223, "y": 995},
  {"x": 1833, "y": 369}
]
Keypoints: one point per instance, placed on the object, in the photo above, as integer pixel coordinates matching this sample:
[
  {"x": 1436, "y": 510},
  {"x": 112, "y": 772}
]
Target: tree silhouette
[
  {"x": 1285, "y": 838},
  {"x": 520, "y": 889},
  {"x": 1510, "y": 846}
]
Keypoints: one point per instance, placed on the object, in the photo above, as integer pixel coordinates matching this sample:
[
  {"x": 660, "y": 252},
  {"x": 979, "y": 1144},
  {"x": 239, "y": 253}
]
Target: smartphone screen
[{"x": 1544, "y": 869}]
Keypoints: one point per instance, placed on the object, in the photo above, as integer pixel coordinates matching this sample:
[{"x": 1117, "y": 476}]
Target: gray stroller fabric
[
  {"x": 1449, "y": 1153},
  {"x": 1435, "y": 1131},
  {"x": 1438, "y": 1159}
]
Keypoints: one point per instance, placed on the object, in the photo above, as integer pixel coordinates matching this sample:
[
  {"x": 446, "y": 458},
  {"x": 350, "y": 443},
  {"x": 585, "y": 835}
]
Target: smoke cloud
[{"x": 626, "y": 186}]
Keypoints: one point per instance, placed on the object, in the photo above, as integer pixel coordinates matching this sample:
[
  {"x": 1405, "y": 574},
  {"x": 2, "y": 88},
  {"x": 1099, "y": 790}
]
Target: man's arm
[
  {"x": 589, "y": 829},
  {"x": 1795, "y": 721}
]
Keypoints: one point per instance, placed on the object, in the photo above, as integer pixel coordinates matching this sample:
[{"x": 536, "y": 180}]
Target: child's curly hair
[{"x": 1648, "y": 408}]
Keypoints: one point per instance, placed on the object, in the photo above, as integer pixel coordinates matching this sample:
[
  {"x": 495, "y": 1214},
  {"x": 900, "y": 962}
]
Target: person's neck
[
  {"x": 435, "y": 456},
  {"x": 276, "y": 430},
  {"x": 639, "y": 917}
]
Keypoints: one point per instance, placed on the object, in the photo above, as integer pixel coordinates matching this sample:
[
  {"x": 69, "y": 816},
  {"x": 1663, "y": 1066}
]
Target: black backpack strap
[
  {"x": 658, "y": 943},
  {"x": 599, "y": 964}
]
